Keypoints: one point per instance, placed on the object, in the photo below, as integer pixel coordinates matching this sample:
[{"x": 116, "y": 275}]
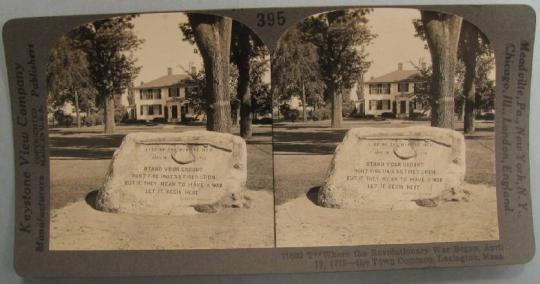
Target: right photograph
[{"x": 383, "y": 130}]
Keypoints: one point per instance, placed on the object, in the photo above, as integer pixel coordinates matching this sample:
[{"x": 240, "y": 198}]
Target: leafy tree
[
  {"x": 473, "y": 46},
  {"x": 108, "y": 45},
  {"x": 261, "y": 96},
  {"x": 212, "y": 34},
  {"x": 68, "y": 78},
  {"x": 295, "y": 70},
  {"x": 245, "y": 46},
  {"x": 340, "y": 38},
  {"x": 197, "y": 97},
  {"x": 422, "y": 87},
  {"x": 442, "y": 34}
]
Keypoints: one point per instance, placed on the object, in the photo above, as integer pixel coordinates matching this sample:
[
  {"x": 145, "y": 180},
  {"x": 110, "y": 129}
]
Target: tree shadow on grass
[
  {"x": 84, "y": 147},
  {"x": 322, "y": 142}
]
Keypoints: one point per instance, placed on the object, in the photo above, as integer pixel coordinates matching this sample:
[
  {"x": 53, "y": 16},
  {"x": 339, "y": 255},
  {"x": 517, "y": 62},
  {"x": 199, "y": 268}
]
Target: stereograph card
[{"x": 310, "y": 139}]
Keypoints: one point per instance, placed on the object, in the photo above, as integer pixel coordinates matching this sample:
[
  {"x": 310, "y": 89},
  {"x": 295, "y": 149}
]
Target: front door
[
  {"x": 174, "y": 110},
  {"x": 166, "y": 113},
  {"x": 403, "y": 107}
]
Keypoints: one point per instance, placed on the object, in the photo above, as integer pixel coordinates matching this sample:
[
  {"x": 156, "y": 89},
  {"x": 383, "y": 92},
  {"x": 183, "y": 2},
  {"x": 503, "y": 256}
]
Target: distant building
[
  {"x": 163, "y": 98},
  {"x": 389, "y": 93}
]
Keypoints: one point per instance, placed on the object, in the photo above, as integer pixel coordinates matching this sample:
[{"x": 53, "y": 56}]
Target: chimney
[
  {"x": 169, "y": 71},
  {"x": 142, "y": 83},
  {"x": 424, "y": 65},
  {"x": 193, "y": 69},
  {"x": 400, "y": 66}
]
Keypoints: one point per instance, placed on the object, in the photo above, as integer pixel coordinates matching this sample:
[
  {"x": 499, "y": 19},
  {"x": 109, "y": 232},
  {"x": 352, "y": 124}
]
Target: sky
[
  {"x": 163, "y": 46},
  {"x": 395, "y": 42}
]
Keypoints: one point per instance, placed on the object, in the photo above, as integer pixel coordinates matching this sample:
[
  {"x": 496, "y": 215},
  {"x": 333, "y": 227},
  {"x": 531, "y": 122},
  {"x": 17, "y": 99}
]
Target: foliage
[
  {"x": 485, "y": 63},
  {"x": 67, "y": 73},
  {"x": 349, "y": 108},
  {"x": 321, "y": 113},
  {"x": 340, "y": 38},
  {"x": 422, "y": 89},
  {"x": 108, "y": 45},
  {"x": 63, "y": 119},
  {"x": 258, "y": 66},
  {"x": 295, "y": 66},
  {"x": 261, "y": 95},
  {"x": 289, "y": 113}
]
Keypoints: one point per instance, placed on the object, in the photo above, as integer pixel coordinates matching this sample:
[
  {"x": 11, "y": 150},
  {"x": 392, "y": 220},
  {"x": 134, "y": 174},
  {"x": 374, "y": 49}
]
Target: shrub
[
  {"x": 348, "y": 108},
  {"x": 93, "y": 119},
  {"x": 388, "y": 115},
  {"x": 416, "y": 115},
  {"x": 289, "y": 113},
  {"x": 63, "y": 119},
  {"x": 322, "y": 113},
  {"x": 264, "y": 120}
]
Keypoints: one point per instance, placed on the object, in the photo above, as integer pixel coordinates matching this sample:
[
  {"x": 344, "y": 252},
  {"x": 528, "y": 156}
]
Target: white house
[
  {"x": 389, "y": 93},
  {"x": 164, "y": 97}
]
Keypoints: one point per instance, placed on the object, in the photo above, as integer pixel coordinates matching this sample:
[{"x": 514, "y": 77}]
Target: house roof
[
  {"x": 396, "y": 76},
  {"x": 164, "y": 81}
]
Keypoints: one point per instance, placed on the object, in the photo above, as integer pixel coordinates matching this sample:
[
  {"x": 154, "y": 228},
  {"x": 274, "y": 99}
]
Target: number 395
[{"x": 270, "y": 19}]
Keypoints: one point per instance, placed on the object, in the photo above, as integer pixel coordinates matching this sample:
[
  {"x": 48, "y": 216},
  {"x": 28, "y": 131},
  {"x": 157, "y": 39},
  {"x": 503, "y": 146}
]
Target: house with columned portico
[
  {"x": 163, "y": 98},
  {"x": 393, "y": 92}
]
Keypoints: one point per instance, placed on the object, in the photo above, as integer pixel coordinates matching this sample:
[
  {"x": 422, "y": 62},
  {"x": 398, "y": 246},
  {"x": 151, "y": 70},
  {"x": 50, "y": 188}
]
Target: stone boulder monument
[
  {"x": 175, "y": 174},
  {"x": 395, "y": 168}
]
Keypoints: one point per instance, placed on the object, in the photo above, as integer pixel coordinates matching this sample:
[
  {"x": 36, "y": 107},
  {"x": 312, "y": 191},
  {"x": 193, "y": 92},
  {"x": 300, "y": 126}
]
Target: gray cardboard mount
[{"x": 28, "y": 41}]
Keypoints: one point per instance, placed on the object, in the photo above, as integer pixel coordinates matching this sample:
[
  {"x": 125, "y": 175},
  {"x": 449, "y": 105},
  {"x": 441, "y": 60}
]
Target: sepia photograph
[
  {"x": 384, "y": 130},
  {"x": 160, "y": 135}
]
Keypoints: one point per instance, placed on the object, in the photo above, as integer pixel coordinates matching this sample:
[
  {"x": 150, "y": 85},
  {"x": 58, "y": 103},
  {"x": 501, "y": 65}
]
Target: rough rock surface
[
  {"x": 395, "y": 168},
  {"x": 175, "y": 174}
]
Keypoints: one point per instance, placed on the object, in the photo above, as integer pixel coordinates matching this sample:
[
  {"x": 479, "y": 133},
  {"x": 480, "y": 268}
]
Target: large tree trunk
[
  {"x": 108, "y": 114},
  {"x": 243, "y": 90},
  {"x": 470, "y": 53},
  {"x": 77, "y": 111},
  {"x": 442, "y": 34},
  {"x": 213, "y": 38},
  {"x": 337, "y": 102},
  {"x": 304, "y": 104}
]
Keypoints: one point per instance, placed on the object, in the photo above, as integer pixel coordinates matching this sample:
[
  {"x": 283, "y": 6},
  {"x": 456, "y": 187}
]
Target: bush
[
  {"x": 388, "y": 115},
  {"x": 264, "y": 120},
  {"x": 416, "y": 115},
  {"x": 159, "y": 120},
  {"x": 348, "y": 108},
  {"x": 321, "y": 113},
  {"x": 120, "y": 115},
  {"x": 63, "y": 119},
  {"x": 93, "y": 119},
  {"x": 289, "y": 113}
]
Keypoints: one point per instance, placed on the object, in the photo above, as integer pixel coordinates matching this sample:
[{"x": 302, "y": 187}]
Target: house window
[
  {"x": 381, "y": 88},
  {"x": 403, "y": 87},
  {"x": 174, "y": 92},
  {"x": 151, "y": 94},
  {"x": 157, "y": 94},
  {"x": 387, "y": 104},
  {"x": 379, "y": 105},
  {"x": 144, "y": 110},
  {"x": 372, "y": 104}
]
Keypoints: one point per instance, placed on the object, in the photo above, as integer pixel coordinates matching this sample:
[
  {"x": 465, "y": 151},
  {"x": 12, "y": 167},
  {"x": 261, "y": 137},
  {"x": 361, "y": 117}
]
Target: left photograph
[{"x": 160, "y": 135}]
